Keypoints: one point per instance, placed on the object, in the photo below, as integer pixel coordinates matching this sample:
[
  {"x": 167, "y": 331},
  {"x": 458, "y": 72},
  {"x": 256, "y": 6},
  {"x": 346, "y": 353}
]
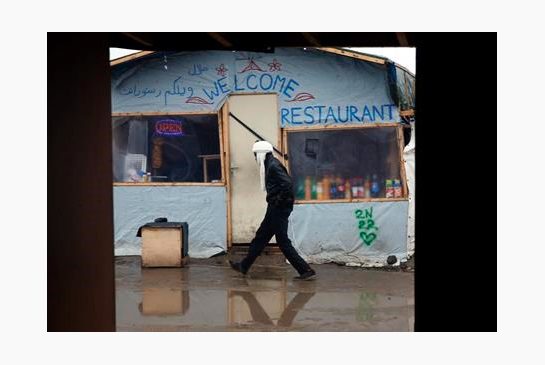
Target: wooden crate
[{"x": 163, "y": 247}]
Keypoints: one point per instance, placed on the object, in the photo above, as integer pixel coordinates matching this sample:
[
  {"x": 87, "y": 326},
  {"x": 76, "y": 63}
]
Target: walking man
[{"x": 277, "y": 183}]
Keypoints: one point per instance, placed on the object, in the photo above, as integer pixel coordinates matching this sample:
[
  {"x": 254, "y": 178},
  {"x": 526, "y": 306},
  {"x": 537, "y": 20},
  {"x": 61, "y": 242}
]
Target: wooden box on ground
[{"x": 164, "y": 244}]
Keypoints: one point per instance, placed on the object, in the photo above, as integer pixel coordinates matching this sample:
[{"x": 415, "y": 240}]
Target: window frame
[
  {"x": 399, "y": 135},
  {"x": 219, "y": 116}
]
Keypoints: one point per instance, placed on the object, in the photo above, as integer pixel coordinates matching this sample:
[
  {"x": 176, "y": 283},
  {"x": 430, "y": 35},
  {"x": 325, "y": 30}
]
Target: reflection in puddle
[
  {"x": 258, "y": 314},
  {"x": 162, "y": 292},
  {"x": 208, "y": 298},
  {"x": 365, "y": 306},
  {"x": 161, "y": 301}
]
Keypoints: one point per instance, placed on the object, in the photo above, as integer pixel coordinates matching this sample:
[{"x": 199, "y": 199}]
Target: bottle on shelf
[
  {"x": 313, "y": 194},
  {"x": 333, "y": 189},
  {"x": 367, "y": 187},
  {"x": 375, "y": 187},
  {"x": 300, "y": 189},
  {"x": 389, "y": 188},
  {"x": 398, "y": 192},
  {"x": 326, "y": 186},
  {"x": 355, "y": 188},
  {"x": 319, "y": 190},
  {"x": 360, "y": 188},
  {"x": 308, "y": 188},
  {"x": 340, "y": 187},
  {"x": 347, "y": 189}
]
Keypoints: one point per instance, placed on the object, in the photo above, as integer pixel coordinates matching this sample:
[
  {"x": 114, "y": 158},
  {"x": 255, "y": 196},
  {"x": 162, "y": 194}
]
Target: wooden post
[
  {"x": 407, "y": 89},
  {"x": 222, "y": 156},
  {"x": 284, "y": 137},
  {"x": 402, "y": 161},
  {"x": 279, "y": 134},
  {"x": 227, "y": 167}
]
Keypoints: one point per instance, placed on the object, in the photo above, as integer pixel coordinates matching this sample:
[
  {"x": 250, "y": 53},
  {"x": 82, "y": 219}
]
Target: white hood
[{"x": 261, "y": 149}]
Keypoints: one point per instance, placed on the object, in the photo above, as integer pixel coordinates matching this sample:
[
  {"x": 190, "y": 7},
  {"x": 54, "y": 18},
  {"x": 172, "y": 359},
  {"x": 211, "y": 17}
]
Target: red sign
[{"x": 169, "y": 127}]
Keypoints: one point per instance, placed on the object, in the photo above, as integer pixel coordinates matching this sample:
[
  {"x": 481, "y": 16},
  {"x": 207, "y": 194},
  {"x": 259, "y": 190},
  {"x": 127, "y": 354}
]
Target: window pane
[
  {"x": 344, "y": 164},
  {"x": 405, "y": 87},
  {"x": 168, "y": 148}
]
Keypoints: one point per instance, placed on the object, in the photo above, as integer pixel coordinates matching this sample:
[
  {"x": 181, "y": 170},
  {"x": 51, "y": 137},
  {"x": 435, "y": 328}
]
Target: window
[
  {"x": 346, "y": 164},
  {"x": 169, "y": 148},
  {"x": 405, "y": 85}
]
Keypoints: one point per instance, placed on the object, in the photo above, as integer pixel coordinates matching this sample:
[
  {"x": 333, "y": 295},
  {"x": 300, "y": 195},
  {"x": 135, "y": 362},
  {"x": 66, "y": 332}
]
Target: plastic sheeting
[
  {"x": 409, "y": 156},
  {"x": 313, "y": 87},
  {"x": 202, "y": 207},
  {"x": 332, "y": 232}
]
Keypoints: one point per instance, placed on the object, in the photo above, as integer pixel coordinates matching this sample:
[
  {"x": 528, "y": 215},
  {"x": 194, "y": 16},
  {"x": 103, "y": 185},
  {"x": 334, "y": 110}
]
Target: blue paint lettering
[
  {"x": 380, "y": 113},
  {"x": 311, "y": 121},
  {"x": 289, "y": 87},
  {"x": 294, "y": 115},
  {"x": 389, "y": 106},
  {"x": 278, "y": 78},
  {"x": 223, "y": 86},
  {"x": 368, "y": 113},
  {"x": 285, "y": 113},
  {"x": 320, "y": 107},
  {"x": 248, "y": 82},
  {"x": 213, "y": 93},
  {"x": 339, "y": 114},
  {"x": 261, "y": 81},
  {"x": 330, "y": 112},
  {"x": 353, "y": 111},
  {"x": 236, "y": 85}
]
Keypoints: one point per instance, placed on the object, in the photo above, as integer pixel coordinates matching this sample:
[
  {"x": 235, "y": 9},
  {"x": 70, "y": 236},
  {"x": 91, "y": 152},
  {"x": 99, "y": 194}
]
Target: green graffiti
[
  {"x": 366, "y": 223},
  {"x": 365, "y": 311},
  {"x": 368, "y": 238}
]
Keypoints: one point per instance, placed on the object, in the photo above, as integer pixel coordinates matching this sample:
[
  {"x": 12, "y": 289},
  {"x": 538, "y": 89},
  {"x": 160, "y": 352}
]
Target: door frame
[{"x": 225, "y": 119}]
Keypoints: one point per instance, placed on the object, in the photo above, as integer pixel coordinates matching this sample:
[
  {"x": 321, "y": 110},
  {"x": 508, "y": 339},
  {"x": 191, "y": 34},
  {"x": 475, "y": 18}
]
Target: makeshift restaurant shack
[{"x": 183, "y": 125}]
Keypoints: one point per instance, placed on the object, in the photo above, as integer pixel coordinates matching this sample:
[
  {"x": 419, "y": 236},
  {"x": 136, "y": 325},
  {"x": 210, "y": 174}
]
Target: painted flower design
[
  {"x": 221, "y": 70},
  {"x": 275, "y": 66}
]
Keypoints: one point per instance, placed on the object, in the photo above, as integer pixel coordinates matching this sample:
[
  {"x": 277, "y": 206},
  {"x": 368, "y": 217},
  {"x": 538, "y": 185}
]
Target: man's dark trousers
[{"x": 275, "y": 223}]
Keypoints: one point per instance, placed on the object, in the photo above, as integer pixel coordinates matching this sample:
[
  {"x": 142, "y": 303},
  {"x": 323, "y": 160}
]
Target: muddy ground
[{"x": 207, "y": 295}]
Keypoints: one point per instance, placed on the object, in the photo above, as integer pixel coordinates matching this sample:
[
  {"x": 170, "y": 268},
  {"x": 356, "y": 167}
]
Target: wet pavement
[{"x": 207, "y": 295}]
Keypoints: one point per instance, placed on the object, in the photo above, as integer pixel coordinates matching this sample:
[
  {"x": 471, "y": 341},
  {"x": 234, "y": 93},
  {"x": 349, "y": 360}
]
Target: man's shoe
[
  {"x": 237, "y": 267},
  {"x": 309, "y": 275}
]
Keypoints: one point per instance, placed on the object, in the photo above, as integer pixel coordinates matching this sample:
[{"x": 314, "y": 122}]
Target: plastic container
[
  {"x": 308, "y": 188},
  {"x": 355, "y": 188},
  {"x": 333, "y": 189},
  {"x": 398, "y": 192},
  {"x": 375, "y": 187},
  {"x": 326, "y": 186},
  {"x": 340, "y": 188},
  {"x": 300, "y": 189},
  {"x": 347, "y": 189},
  {"x": 389, "y": 188},
  {"x": 319, "y": 190},
  {"x": 367, "y": 187}
]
